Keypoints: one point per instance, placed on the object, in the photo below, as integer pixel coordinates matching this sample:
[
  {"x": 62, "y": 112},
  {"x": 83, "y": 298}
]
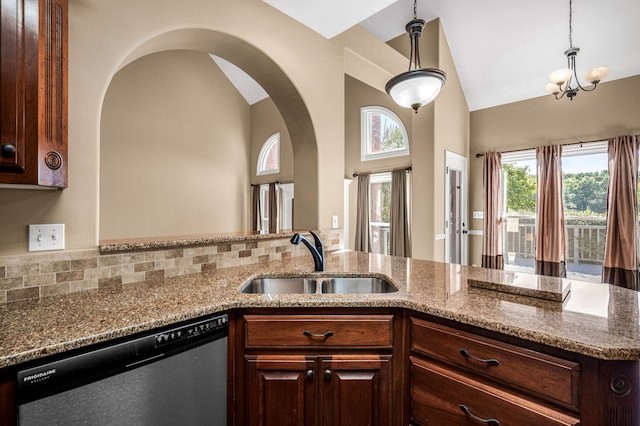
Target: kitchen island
[{"x": 596, "y": 325}]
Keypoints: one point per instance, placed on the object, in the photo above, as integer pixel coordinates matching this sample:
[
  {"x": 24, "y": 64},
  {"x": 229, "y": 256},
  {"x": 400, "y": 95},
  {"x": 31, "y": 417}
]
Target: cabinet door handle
[
  {"x": 468, "y": 413},
  {"x": 491, "y": 361},
  {"x": 327, "y": 374},
  {"x": 323, "y": 335},
  {"x": 310, "y": 374}
]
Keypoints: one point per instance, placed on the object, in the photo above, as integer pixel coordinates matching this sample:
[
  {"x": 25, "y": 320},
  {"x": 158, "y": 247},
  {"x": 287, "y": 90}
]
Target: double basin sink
[{"x": 319, "y": 285}]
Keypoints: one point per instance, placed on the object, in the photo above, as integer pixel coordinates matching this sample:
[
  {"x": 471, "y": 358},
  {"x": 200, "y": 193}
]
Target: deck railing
[{"x": 585, "y": 238}]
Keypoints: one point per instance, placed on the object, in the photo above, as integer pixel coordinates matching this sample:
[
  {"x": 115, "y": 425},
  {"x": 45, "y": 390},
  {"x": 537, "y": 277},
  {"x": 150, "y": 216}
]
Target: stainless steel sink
[
  {"x": 280, "y": 285},
  {"x": 328, "y": 285},
  {"x": 357, "y": 285}
]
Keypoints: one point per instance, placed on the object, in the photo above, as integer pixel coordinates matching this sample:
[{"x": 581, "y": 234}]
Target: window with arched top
[
  {"x": 269, "y": 157},
  {"x": 383, "y": 134}
]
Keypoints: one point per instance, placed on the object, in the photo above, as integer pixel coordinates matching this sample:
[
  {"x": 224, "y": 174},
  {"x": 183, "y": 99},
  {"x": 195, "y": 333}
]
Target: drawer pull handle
[
  {"x": 490, "y": 361},
  {"x": 324, "y": 335},
  {"x": 468, "y": 413}
]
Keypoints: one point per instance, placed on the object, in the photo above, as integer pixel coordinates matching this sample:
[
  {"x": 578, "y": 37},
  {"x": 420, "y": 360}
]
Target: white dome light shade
[
  {"x": 415, "y": 88},
  {"x": 560, "y": 76},
  {"x": 552, "y": 88},
  {"x": 596, "y": 74}
]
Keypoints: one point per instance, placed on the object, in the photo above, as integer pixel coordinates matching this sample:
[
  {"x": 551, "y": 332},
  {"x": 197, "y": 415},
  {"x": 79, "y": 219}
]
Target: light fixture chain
[
  {"x": 570, "y": 25},
  {"x": 415, "y": 9}
]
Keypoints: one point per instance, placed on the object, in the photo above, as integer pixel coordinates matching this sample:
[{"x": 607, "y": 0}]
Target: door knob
[{"x": 8, "y": 150}]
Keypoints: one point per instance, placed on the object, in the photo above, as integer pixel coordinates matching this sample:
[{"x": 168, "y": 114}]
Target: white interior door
[{"x": 455, "y": 208}]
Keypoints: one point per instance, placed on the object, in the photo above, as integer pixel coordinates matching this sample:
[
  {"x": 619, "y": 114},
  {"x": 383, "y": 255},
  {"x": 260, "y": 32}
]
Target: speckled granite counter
[
  {"x": 176, "y": 241},
  {"x": 598, "y": 320}
]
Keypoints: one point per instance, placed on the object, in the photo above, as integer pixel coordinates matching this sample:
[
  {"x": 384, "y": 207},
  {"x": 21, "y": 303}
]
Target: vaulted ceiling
[{"x": 503, "y": 49}]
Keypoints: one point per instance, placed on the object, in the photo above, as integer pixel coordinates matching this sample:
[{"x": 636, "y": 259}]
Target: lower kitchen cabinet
[
  {"x": 356, "y": 390},
  {"x": 281, "y": 390},
  {"x": 445, "y": 397},
  {"x": 318, "y": 390},
  {"x": 458, "y": 377},
  {"x": 319, "y": 369}
]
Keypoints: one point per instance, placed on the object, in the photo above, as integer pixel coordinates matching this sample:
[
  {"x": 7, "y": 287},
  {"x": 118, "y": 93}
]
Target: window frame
[
  {"x": 267, "y": 146},
  {"x": 568, "y": 151},
  {"x": 365, "y": 134}
]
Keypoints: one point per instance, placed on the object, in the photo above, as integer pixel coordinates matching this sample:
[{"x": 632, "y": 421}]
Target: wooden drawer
[
  {"x": 438, "y": 395},
  {"x": 353, "y": 331},
  {"x": 551, "y": 378}
]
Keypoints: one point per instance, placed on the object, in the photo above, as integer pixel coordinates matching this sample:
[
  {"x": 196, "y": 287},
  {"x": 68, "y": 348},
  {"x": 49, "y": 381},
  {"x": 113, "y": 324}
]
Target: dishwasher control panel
[{"x": 198, "y": 329}]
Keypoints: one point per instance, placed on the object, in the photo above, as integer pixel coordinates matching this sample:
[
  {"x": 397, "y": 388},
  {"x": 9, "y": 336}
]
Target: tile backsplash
[{"x": 31, "y": 276}]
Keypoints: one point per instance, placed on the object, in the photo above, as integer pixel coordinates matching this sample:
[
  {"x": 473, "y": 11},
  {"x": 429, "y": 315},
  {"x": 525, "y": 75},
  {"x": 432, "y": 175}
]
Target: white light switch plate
[
  {"x": 46, "y": 237},
  {"x": 334, "y": 221},
  {"x": 478, "y": 214}
]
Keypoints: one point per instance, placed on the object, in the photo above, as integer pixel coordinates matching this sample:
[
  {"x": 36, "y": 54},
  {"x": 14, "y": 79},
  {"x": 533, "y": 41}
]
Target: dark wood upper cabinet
[{"x": 33, "y": 92}]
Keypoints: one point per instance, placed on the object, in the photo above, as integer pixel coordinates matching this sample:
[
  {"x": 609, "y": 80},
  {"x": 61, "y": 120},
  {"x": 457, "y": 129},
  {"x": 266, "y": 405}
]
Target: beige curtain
[
  {"x": 621, "y": 248},
  {"x": 492, "y": 225},
  {"x": 399, "y": 227},
  {"x": 256, "y": 220},
  {"x": 273, "y": 208},
  {"x": 550, "y": 241},
  {"x": 363, "y": 239}
]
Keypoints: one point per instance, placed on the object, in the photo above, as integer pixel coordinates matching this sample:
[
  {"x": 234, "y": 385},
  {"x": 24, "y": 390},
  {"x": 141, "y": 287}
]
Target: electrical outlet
[
  {"x": 46, "y": 237},
  {"x": 334, "y": 221}
]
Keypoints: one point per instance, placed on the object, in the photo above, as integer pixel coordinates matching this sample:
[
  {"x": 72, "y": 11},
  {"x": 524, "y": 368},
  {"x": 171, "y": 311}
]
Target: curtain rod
[
  {"x": 267, "y": 183},
  {"x": 481, "y": 154},
  {"x": 407, "y": 169}
]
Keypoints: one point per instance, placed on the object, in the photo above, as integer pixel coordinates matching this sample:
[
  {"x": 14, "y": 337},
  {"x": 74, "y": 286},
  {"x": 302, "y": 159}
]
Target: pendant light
[
  {"x": 418, "y": 86},
  {"x": 562, "y": 79}
]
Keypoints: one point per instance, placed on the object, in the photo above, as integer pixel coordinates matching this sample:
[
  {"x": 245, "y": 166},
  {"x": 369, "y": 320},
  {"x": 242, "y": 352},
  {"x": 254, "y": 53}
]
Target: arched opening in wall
[{"x": 171, "y": 167}]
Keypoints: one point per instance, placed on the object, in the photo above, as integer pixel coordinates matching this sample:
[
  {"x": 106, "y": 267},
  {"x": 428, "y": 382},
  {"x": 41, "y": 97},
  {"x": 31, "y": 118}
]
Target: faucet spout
[{"x": 317, "y": 251}]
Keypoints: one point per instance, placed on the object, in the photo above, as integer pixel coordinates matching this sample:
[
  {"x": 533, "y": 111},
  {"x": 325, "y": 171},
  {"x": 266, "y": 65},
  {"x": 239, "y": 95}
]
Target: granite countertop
[
  {"x": 597, "y": 320},
  {"x": 176, "y": 241}
]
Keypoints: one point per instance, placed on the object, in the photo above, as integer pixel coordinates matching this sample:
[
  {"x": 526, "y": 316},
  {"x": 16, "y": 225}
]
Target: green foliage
[
  {"x": 584, "y": 194},
  {"x": 392, "y": 137},
  {"x": 386, "y": 201},
  {"x": 521, "y": 189}
]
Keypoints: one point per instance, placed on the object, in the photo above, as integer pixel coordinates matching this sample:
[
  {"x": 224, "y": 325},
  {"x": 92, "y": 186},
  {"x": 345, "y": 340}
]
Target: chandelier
[
  {"x": 563, "y": 79},
  {"x": 419, "y": 86}
]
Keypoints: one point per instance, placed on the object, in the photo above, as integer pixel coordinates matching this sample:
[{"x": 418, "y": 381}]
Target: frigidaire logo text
[{"x": 40, "y": 376}]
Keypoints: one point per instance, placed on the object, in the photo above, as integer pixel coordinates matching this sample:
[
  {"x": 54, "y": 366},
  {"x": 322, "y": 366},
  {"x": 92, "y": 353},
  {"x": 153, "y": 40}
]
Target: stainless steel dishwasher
[{"x": 173, "y": 376}]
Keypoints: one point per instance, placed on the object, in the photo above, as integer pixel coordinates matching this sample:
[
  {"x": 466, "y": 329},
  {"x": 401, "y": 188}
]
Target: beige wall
[
  {"x": 613, "y": 109},
  {"x": 451, "y": 133},
  {"x": 265, "y": 121},
  {"x": 302, "y": 72},
  {"x": 174, "y": 149},
  {"x": 358, "y": 95},
  {"x": 442, "y": 125}
]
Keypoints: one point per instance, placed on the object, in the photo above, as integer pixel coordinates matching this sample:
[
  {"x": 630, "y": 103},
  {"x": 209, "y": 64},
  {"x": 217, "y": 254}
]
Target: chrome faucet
[{"x": 317, "y": 252}]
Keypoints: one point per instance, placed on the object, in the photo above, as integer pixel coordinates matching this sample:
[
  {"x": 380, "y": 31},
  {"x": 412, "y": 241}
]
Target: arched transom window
[
  {"x": 269, "y": 157},
  {"x": 383, "y": 134}
]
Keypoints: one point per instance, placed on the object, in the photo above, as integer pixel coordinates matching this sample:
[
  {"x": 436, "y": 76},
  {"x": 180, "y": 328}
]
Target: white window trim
[
  {"x": 264, "y": 152},
  {"x": 365, "y": 155}
]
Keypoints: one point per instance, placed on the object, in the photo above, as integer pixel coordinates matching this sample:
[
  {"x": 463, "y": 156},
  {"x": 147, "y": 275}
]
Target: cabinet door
[
  {"x": 356, "y": 390},
  {"x": 33, "y": 92},
  {"x": 280, "y": 390}
]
